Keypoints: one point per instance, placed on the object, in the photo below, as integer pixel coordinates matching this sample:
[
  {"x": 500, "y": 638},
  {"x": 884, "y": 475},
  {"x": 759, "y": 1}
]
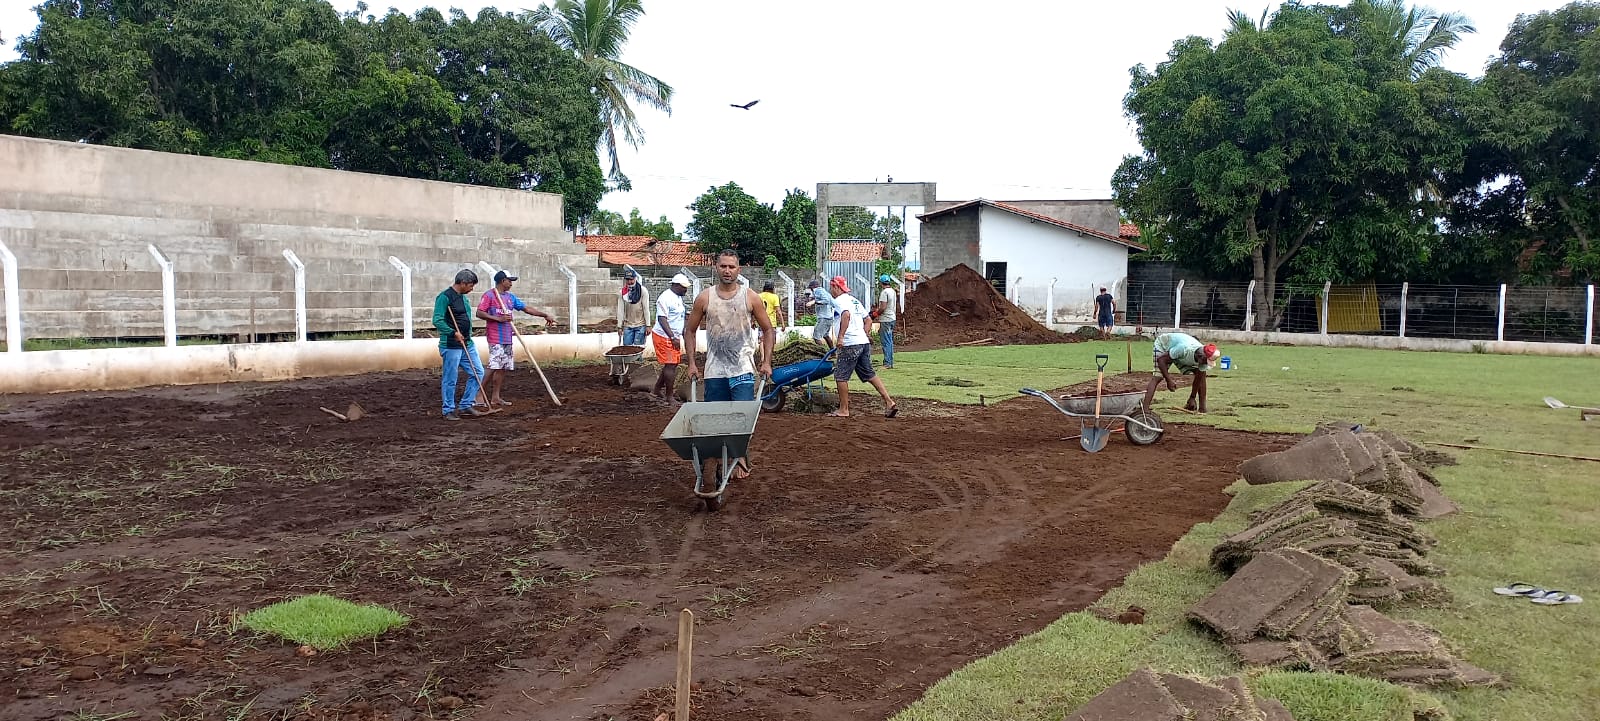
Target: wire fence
[{"x": 1477, "y": 313}]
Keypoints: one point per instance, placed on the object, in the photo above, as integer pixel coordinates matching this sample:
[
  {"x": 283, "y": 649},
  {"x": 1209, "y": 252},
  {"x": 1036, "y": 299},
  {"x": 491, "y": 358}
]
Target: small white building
[{"x": 1021, "y": 247}]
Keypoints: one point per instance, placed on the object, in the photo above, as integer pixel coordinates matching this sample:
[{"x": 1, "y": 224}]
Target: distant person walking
[
  {"x": 771, "y": 301},
  {"x": 495, "y": 309},
  {"x": 855, "y": 350},
  {"x": 727, "y": 311},
  {"x": 821, "y": 304},
  {"x": 634, "y": 324},
  {"x": 1190, "y": 356},
  {"x": 454, "y": 324},
  {"x": 667, "y": 334},
  {"x": 886, "y": 313},
  {"x": 1105, "y": 310}
]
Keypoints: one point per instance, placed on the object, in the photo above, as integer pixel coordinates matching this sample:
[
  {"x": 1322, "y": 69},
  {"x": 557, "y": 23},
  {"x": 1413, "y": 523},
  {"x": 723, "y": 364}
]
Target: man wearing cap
[
  {"x": 667, "y": 334},
  {"x": 821, "y": 304},
  {"x": 886, "y": 313},
  {"x": 855, "y": 350},
  {"x": 633, "y": 323},
  {"x": 1190, "y": 356},
  {"x": 454, "y": 324},
  {"x": 495, "y": 308}
]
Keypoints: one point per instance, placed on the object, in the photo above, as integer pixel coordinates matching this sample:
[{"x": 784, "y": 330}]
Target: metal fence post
[
  {"x": 692, "y": 277},
  {"x": 1589, "y": 322},
  {"x": 1500, "y": 322},
  {"x": 788, "y": 288},
  {"x": 299, "y": 295},
  {"x": 169, "y": 298},
  {"x": 1050, "y": 303},
  {"x": 866, "y": 289},
  {"x": 1177, "y": 307},
  {"x": 1405, "y": 292},
  {"x": 572, "y": 298},
  {"x": 1327, "y": 292},
  {"x": 405, "y": 294},
  {"x": 14, "y": 301},
  {"x": 1250, "y": 306}
]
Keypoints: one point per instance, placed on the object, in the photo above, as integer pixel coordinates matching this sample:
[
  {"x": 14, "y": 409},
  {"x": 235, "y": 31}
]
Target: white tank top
[{"x": 729, "y": 351}]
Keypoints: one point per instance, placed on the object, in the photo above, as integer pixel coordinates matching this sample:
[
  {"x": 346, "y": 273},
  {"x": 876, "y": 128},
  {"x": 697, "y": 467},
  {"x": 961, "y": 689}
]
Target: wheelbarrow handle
[{"x": 1100, "y": 362}]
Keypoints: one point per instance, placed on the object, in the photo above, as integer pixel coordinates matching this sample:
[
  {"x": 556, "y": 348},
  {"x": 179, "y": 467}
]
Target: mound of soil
[{"x": 981, "y": 312}]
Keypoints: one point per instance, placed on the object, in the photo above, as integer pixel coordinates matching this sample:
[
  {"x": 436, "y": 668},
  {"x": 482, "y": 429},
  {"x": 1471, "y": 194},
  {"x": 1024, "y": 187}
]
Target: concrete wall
[
  {"x": 1038, "y": 251},
  {"x": 950, "y": 240},
  {"x": 80, "y": 217}
]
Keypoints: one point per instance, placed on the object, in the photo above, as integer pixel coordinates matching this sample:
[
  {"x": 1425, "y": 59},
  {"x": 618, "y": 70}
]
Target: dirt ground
[{"x": 543, "y": 553}]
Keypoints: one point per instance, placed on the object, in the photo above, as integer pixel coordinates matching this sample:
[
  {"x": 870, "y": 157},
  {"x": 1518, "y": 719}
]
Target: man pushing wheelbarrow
[{"x": 1190, "y": 356}]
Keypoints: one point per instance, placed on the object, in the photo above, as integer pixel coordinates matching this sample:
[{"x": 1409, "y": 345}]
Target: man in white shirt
[
  {"x": 667, "y": 334},
  {"x": 855, "y": 350},
  {"x": 886, "y": 314}
]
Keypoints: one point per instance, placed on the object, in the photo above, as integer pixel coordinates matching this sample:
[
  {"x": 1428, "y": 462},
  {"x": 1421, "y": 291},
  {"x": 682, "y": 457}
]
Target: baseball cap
[
  {"x": 840, "y": 283},
  {"x": 683, "y": 280},
  {"x": 884, "y": 278},
  {"x": 1212, "y": 353},
  {"x": 814, "y": 284},
  {"x": 501, "y": 275},
  {"x": 629, "y": 274}
]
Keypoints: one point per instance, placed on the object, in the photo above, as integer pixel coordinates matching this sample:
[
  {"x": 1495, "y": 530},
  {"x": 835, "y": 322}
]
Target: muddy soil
[{"x": 543, "y": 553}]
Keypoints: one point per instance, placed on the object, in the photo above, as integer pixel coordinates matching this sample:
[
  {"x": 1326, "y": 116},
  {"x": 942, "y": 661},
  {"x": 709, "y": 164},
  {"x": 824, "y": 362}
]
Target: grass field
[{"x": 1523, "y": 519}]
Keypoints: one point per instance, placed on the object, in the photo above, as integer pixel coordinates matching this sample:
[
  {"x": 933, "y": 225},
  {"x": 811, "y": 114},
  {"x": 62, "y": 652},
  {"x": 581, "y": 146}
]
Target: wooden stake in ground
[
  {"x": 1130, "y": 356},
  {"x": 685, "y": 655},
  {"x": 501, "y": 301}
]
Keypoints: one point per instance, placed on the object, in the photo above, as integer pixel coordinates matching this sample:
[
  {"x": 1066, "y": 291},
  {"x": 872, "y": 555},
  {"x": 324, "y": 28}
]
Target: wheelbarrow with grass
[
  {"x": 705, "y": 431},
  {"x": 1100, "y": 414},
  {"x": 804, "y": 375}
]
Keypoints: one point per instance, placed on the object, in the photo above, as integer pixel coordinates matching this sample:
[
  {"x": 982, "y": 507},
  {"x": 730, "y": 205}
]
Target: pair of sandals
[{"x": 1543, "y": 597}]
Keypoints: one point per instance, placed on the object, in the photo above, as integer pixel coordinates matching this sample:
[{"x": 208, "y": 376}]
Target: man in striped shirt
[{"x": 495, "y": 309}]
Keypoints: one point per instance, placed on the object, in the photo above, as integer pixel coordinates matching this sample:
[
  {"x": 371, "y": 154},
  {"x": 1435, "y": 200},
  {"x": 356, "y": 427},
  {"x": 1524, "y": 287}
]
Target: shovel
[
  {"x": 1553, "y": 403},
  {"x": 1094, "y": 438}
]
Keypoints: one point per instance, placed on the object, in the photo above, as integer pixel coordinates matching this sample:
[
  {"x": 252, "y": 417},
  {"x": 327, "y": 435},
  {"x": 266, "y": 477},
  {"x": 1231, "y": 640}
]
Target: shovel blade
[{"x": 1094, "y": 439}]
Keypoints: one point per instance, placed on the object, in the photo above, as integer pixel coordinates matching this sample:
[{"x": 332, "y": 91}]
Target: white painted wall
[{"x": 1038, "y": 251}]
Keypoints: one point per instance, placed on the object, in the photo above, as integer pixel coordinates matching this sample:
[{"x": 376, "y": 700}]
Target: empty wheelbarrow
[
  {"x": 705, "y": 430},
  {"x": 1142, "y": 427}
]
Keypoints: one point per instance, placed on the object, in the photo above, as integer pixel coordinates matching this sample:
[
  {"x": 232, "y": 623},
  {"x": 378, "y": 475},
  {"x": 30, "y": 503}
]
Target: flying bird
[{"x": 746, "y": 106}]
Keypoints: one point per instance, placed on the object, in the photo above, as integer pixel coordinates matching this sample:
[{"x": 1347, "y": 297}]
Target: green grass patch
[
  {"x": 1523, "y": 519},
  {"x": 323, "y": 621}
]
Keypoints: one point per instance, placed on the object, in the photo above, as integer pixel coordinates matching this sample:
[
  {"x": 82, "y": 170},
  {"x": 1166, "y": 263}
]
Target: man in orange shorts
[{"x": 667, "y": 334}]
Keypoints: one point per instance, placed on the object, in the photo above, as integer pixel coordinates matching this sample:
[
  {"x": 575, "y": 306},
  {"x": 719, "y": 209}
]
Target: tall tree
[
  {"x": 728, "y": 217},
  {"x": 1278, "y": 142},
  {"x": 596, "y": 30},
  {"x": 797, "y": 230}
]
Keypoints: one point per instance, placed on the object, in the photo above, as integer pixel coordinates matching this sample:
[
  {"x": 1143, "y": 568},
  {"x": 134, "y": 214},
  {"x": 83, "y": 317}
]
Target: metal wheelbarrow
[
  {"x": 795, "y": 376},
  {"x": 704, "y": 430},
  {"x": 1142, "y": 427},
  {"x": 623, "y": 360}
]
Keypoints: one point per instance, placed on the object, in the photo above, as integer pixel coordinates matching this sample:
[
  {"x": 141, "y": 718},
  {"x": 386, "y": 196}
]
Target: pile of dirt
[
  {"x": 1290, "y": 609},
  {"x": 1378, "y": 462},
  {"x": 979, "y": 312},
  {"x": 1149, "y": 696}
]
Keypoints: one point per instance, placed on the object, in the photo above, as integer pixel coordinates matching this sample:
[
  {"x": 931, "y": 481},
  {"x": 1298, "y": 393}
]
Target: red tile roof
[
  {"x": 643, "y": 250},
  {"x": 854, "y": 250},
  {"x": 1128, "y": 231},
  {"x": 1081, "y": 229}
]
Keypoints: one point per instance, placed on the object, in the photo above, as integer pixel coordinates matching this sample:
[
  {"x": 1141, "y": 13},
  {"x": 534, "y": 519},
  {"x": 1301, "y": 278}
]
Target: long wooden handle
[
  {"x": 1099, "y": 387},
  {"x": 685, "y": 658},
  {"x": 1513, "y": 450},
  {"x": 501, "y": 301}
]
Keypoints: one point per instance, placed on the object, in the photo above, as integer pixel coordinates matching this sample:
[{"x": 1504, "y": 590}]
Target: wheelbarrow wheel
[
  {"x": 1139, "y": 435},
  {"x": 774, "y": 403},
  {"x": 714, "y": 504}
]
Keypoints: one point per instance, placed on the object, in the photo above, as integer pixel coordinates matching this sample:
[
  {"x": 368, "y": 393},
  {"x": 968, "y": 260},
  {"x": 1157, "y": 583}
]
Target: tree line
[
  {"x": 727, "y": 216},
  {"x": 1322, "y": 143},
  {"x": 501, "y": 99}
]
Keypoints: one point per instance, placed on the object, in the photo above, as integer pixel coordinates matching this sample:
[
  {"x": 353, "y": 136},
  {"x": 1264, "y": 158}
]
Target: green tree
[
  {"x": 1280, "y": 145},
  {"x": 728, "y": 217},
  {"x": 1543, "y": 135},
  {"x": 596, "y": 30},
  {"x": 797, "y": 230},
  {"x": 635, "y": 224}
]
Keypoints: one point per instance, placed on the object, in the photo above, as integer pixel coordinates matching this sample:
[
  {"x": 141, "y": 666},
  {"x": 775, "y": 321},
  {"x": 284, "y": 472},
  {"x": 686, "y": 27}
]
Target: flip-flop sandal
[
  {"x": 893, "y": 411},
  {"x": 505, "y": 403},
  {"x": 1521, "y": 589},
  {"x": 837, "y": 415},
  {"x": 1557, "y": 598}
]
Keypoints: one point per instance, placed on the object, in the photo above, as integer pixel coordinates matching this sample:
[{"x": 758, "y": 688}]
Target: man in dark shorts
[
  {"x": 855, "y": 350},
  {"x": 1105, "y": 311}
]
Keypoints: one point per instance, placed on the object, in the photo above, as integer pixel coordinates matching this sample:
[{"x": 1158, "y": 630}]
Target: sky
[{"x": 1000, "y": 99}]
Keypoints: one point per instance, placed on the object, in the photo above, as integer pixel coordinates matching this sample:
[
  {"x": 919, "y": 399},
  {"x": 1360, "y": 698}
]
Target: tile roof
[
  {"x": 643, "y": 250},
  {"x": 854, "y": 250},
  {"x": 1128, "y": 231},
  {"x": 1081, "y": 229}
]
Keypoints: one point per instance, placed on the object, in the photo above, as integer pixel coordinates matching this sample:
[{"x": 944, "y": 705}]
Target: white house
[{"x": 1024, "y": 246}]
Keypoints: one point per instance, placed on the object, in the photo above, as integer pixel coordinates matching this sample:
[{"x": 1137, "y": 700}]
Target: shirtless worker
[
  {"x": 727, "y": 311},
  {"x": 1190, "y": 356}
]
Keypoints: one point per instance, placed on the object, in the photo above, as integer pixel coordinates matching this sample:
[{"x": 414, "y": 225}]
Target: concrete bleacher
[{"x": 79, "y": 219}]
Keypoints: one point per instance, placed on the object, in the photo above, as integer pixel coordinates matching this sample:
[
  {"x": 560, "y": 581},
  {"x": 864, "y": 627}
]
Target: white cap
[{"x": 683, "y": 280}]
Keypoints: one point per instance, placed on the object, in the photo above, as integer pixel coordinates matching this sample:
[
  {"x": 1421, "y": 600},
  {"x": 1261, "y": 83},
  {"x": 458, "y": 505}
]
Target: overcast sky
[{"x": 1003, "y": 99}]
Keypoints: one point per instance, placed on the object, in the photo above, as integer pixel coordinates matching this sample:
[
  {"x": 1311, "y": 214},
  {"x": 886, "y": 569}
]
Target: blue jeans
[
  {"x": 886, "y": 337},
  {"x": 737, "y": 388},
  {"x": 457, "y": 361},
  {"x": 634, "y": 336}
]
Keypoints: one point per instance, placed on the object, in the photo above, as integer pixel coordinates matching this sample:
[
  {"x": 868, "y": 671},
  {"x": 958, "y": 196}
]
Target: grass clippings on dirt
[
  {"x": 1523, "y": 518},
  {"x": 323, "y": 622}
]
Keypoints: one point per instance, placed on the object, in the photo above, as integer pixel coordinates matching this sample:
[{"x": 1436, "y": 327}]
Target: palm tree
[
  {"x": 596, "y": 30},
  {"x": 1421, "y": 35},
  {"x": 1239, "y": 23}
]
